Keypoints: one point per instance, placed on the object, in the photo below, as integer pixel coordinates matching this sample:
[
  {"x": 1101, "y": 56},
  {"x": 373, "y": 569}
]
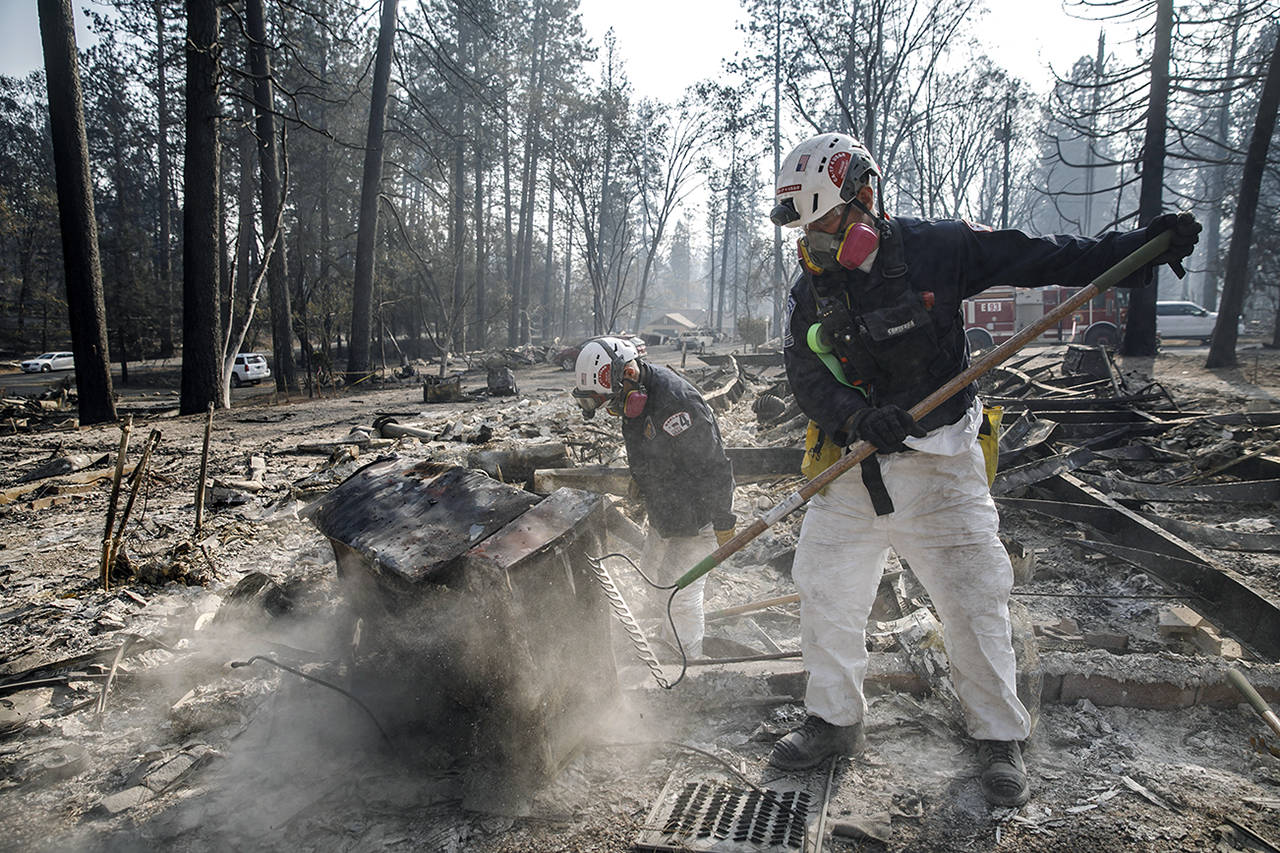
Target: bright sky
[
  {"x": 670, "y": 44},
  {"x": 20, "y": 36}
]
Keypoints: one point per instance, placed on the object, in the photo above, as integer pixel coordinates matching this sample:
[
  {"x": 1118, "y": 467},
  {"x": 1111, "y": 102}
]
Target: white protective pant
[
  {"x": 945, "y": 525},
  {"x": 664, "y": 561}
]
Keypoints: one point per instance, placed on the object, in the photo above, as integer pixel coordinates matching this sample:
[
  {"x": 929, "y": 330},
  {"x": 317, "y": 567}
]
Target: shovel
[{"x": 860, "y": 450}]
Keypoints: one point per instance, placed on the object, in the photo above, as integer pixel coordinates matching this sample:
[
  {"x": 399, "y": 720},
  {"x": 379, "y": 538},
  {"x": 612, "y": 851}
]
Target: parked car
[
  {"x": 49, "y": 361},
  {"x": 1184, "y": 320},
  {"x": 568, "y": 356},
  {"x": 696, "y": 339},
  {"x": 249, "y": 368}
]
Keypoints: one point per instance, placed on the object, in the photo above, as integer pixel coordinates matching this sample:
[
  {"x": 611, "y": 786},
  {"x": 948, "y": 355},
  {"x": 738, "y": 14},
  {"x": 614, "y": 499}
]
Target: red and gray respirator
[
  {"x": 850, "y": 248},
  {"x": 629, "y": 402}
]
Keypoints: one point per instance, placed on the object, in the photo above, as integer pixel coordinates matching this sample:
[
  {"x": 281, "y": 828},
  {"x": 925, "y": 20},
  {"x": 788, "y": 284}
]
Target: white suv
[
  {"x": 249, "y": 368},
  {"x": 1185, "y": 320}
]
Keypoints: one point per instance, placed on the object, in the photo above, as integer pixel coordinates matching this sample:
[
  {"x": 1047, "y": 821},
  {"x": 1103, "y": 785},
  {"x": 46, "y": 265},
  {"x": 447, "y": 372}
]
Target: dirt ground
[{"x": 253, "y": 758}]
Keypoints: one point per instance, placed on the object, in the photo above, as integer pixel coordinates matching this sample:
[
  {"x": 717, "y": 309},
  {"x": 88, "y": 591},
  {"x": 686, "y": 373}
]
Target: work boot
[
  {"x": 815, "y": 741},
  {"x": 1004, "y": 777}
]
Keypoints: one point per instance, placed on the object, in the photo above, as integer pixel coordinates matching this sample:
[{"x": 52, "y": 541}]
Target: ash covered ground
[{"x": 191, "y": 754}]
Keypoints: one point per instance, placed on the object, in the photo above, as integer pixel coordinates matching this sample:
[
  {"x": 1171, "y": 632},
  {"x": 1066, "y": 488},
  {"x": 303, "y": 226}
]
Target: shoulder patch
[
  {"x": 677, "y": 423},
  {"x": 649, "y": 431},
  {"x": 788, "y": 339}
]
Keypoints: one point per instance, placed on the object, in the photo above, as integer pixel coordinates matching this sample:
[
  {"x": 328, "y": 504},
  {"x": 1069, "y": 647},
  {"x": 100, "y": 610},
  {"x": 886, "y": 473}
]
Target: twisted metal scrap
[{"x": 623, "y": 612}]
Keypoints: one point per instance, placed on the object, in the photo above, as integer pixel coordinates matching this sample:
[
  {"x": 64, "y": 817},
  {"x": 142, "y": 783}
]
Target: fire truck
[{"x": 999, "y": 313}]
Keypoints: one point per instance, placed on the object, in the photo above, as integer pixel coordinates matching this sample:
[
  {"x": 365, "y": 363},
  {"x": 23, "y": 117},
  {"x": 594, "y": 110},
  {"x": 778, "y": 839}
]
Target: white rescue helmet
[
  {"x": 593, "y": 372},
  {"x": 818, "y": 174}
]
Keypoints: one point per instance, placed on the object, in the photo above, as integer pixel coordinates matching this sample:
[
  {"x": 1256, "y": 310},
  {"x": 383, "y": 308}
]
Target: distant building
[{"x": 669, "y": 325}]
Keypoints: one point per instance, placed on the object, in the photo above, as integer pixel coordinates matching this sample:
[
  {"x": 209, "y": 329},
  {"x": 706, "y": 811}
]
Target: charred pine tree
[
  {"x": 272, "y": 194},
  {"x": 370, "y": 192},
  {"x": 479, "y": 337},
  {"x": 1217, "y": 182},
  {"x": 518, "y": 312},
  {"x": 1140, "y": 325},
  {"x": 201, "y": 214},
  {"x": 83, "y": 268},
  {"x": 1222, "y": 351},
  {"x": 457, "y": 200},
  {"x": 164, "y": 238}
]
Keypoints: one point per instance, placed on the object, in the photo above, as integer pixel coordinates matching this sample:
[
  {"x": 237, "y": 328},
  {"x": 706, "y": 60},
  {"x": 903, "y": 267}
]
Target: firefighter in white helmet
[
  {"x": 677, "y": 463},
  {"x": 873, "y": 326}
]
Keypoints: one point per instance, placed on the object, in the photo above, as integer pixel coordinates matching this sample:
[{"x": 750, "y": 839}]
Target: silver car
[
  {"x": 49, "y": 361},
  {"x": 1185, "y": 320}
]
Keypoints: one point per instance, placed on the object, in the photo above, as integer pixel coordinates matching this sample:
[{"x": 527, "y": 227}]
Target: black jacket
[
  {"x": 678, "y": 459},
  {"x": 954, "y": 261}
]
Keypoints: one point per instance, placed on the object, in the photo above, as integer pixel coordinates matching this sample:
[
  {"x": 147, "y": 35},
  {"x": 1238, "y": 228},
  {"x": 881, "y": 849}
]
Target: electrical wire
[{"x": 236, "y": 664}]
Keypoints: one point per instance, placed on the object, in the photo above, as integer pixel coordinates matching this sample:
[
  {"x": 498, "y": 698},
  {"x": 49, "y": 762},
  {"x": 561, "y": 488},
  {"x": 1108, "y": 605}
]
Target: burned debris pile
[
  {"x": 478, "y": 615},
  {"x": 53, "y": 408}
]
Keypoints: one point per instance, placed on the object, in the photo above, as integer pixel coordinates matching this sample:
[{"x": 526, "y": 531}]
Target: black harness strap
[{"x": 872, "y": 479}]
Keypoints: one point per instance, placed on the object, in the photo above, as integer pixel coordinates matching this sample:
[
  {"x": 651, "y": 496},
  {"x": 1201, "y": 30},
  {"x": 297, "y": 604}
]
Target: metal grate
[{"x": 717, "y": 814}]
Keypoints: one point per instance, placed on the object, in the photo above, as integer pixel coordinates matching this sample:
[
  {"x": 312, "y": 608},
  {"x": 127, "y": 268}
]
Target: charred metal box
[{"x": 482, "y": 628}]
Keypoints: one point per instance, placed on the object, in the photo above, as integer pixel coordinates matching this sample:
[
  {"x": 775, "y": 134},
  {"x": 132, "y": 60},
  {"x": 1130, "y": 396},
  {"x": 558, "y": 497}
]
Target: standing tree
[
  {"x": 85, "y": 308},
  {"x": 1140, "y": 325},
  {"x": 1216, "y": 180},
  {"x": 164, "y": 235},
  {"x": 667, "y": 143},
  {"x": 201, "y": 214},
  {"x": 272, "y": 196},
  {"x": 370, "y": 192},
  {"x": 1222, "y": 352}
]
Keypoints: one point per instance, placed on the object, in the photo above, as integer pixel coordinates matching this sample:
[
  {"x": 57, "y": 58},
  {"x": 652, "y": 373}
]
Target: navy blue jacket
[
  {"x": 677, "y": 458},
  {"x": 954, "y": 260}
]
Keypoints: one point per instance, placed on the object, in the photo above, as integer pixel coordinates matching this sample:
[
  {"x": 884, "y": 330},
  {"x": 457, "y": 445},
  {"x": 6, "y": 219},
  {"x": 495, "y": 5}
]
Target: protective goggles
[
  {"x": 589, "y": 401},
  {"x": 784, "y": 213}
]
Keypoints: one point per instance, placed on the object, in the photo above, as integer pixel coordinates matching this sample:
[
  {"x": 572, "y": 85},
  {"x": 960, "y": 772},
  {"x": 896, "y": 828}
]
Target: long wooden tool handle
[
  {"x": 860, "y": 450},
  {"x": 1236, "y": 677}
]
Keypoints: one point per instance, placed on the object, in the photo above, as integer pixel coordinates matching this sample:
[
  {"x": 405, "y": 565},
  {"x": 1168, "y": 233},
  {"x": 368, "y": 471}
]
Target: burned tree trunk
[
  {"x": 272, "y": 192},
  {"x": 479, "y": 337},
  {"x": 1140, "y": 326},
  {"x": 1222, "y": 352},
  {"x": 165, "y": 237},
  {"x": 370, "y": 190},
  {"x": 87, "y": 313},
  {"x": 201, "y": 214}
]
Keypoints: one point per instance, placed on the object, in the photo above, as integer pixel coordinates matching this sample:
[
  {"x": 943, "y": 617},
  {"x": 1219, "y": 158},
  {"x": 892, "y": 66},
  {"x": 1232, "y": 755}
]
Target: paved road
[{"x": 146, "y": 379}]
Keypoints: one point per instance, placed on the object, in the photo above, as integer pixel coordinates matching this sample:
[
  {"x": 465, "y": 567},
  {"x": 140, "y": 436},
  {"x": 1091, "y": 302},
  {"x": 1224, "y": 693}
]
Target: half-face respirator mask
[
  {"x": 630, "y": 399},
  {"x": 852, "y": 247}
]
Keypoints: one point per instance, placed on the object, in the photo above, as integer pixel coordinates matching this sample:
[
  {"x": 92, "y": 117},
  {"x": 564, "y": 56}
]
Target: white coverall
[
  {"x": 664, "y": 561},
  {"x": 945, "y": 525}
]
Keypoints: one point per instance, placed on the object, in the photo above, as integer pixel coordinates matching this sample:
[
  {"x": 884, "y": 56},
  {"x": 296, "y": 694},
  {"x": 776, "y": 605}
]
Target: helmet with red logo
[
  {"x": 595, "y": 373},
  {"x": 818, "y": 174}
]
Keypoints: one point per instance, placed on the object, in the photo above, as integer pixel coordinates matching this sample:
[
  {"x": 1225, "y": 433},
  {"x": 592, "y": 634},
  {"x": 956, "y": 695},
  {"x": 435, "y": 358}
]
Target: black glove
[
  {"x": 1184, "y": 232},
  {"x": 886, "y": 427}
]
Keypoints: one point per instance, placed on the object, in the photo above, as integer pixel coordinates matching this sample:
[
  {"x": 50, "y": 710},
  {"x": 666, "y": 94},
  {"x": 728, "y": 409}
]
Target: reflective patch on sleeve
[
  {"x": 787, "y": 338},
  {"x": 677, "y": 423}
]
